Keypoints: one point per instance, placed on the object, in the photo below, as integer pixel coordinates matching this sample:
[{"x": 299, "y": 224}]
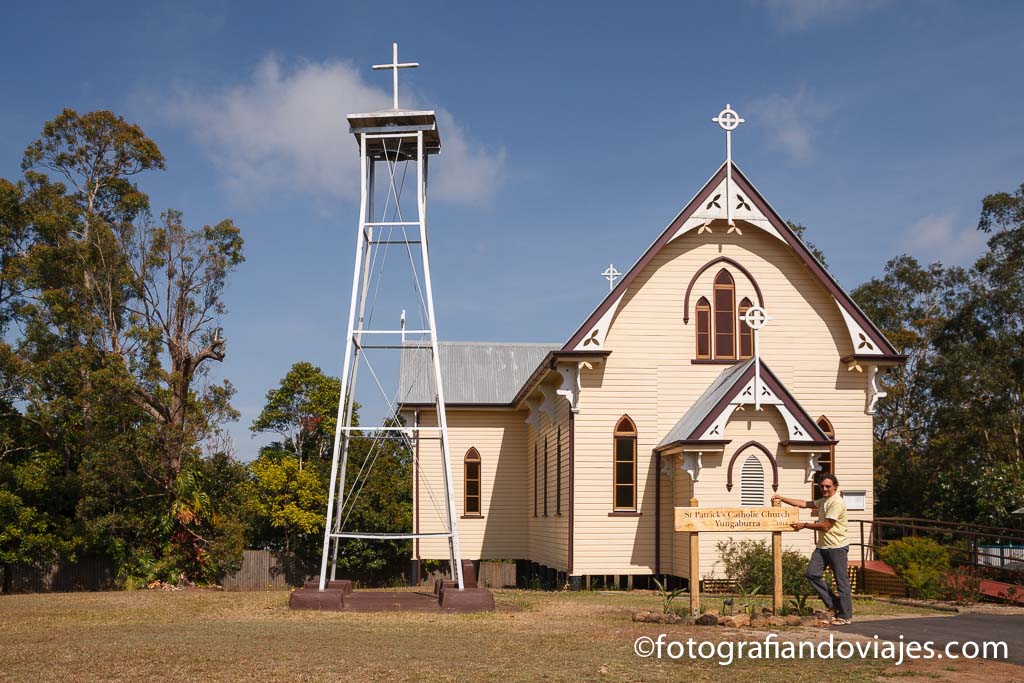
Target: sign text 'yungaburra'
[{"x": 735, "y": 519}]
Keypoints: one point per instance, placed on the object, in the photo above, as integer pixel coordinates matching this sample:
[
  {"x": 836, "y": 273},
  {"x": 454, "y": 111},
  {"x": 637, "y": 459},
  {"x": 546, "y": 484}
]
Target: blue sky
[{"x": 573, "y": 133}]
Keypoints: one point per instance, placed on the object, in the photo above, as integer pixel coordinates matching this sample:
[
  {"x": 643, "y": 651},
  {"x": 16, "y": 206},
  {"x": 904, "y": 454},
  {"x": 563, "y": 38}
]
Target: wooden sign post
[
  {"x": 694, "y": 569},
  {"x": 777, "y": 566},
  {"x": 694, "y": 520}
]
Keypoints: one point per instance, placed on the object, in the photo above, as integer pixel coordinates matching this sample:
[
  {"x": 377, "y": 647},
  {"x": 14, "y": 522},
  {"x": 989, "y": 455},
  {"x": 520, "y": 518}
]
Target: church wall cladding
[
  {"x": 650, "y": 377},
  {"x": 767, "y": 428},
  {"x": 500, "y": 436},
  {"x": 549, "y": 533}
]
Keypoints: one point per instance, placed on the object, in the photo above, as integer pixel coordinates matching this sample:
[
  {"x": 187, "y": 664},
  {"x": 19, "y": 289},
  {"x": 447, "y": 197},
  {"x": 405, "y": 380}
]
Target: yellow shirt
[{"x": 834, "y": 508}]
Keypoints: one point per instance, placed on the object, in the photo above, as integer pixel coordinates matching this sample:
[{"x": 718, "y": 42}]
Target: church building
[{"x": 724, "y": 366}]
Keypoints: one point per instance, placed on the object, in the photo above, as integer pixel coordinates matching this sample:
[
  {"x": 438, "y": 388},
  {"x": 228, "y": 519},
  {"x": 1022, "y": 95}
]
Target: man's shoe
[{"x": 841, "y": 622}]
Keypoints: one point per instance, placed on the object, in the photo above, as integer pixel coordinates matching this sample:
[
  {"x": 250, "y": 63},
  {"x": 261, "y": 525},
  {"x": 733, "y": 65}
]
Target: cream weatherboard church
[{"x": 572, "y": 456}]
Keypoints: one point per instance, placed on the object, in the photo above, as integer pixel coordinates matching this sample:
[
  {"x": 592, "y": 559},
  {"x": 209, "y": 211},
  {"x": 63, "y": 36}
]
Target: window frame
[
  {"x": 632, "y": 434},
  {"x": 535, "y": 482},
  {"x": 472, "y": 457},
  {"x": 825, "y": 425},
  {"x": 728, "y": 313},
  {"x": 558, "y": 472},
  {"x": 746, "y": 334},
  {"x": 703, "y": 309},
  {"x": 546, "y": 468}
]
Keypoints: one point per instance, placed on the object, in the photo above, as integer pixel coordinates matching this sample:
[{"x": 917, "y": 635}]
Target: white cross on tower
[
  {"x": 729, "y": 120},
  {"x": 756, "y": 317},
  {"x": 395, "y": 66},
  {"x": 611, "y": 275}
]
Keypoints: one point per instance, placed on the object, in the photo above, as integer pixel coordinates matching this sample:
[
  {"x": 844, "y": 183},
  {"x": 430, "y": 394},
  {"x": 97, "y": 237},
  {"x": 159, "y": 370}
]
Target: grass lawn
[{"x": 213, "y": 636}]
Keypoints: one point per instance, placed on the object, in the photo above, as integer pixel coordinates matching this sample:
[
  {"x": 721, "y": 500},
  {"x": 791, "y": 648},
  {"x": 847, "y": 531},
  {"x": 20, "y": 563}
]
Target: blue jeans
[{"x": 835, "y": 559}]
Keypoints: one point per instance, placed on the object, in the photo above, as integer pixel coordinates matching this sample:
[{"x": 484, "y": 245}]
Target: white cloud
[
  {"x": 468, "y": 172},
  {"x": 791, "y": 121},
  {"x": 797, "y": 15},
  {"x": 286, "y": 127},
  {"x": 937, "y": 237}
]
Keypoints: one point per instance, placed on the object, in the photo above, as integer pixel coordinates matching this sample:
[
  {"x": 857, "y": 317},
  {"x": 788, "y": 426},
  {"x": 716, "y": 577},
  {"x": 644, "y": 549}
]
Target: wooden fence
[
  {"x": 268, "y": 570},
  {"x": 87, "y": 574},
  {"x": 497, "y": 575},
  {"x": 261, "y": 570}
]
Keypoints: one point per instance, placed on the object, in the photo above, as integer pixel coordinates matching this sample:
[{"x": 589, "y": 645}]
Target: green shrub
[
  {"x": 749, "y": 564},
  {"x": 922, "y": 564}
]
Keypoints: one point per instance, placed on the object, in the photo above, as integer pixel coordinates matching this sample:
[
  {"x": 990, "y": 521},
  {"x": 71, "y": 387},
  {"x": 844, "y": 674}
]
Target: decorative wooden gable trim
[
  {"x": 702, "y": 427},
  {"x": 801, "y": 427},
  {"x": 753, "y": 209}
]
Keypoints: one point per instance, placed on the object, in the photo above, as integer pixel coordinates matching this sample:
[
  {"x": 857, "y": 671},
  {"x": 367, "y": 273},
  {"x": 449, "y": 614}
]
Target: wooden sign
[{"x": 736, "y": 519}]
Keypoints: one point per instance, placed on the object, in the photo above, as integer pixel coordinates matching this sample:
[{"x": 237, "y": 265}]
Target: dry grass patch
[{"x": 214, "y": 636}]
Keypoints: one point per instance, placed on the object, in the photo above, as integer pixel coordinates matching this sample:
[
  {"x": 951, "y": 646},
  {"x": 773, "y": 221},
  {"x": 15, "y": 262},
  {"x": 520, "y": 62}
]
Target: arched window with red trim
[
  {"x": 746, "y": 334},
  {"x": 725, "y": 316},
  {"x": 471, "y": 488},
  {"x": 624, "y": 486},
  {"x": 826, "y": 460},
  {"x": 703, "y": 316}
]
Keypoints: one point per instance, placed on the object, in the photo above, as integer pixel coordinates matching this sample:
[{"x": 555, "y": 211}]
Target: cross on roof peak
[
  {"x": 611, "y": 275},
  {"x": 729, "y": 120},
  {"x": 395, "y": 66}
]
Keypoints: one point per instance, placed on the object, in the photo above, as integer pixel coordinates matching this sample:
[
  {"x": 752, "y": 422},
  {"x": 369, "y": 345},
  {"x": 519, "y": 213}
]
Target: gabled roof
[
  {"x": 477, "y": 373},
  {"x": 724, "y": 394},
  {"x": 871, "y": 340},
  {"x": 703, "y": 406}
]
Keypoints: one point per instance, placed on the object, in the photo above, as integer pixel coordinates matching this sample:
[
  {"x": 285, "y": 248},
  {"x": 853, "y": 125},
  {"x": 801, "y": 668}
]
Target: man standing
[{"x": 831, "y": 549}]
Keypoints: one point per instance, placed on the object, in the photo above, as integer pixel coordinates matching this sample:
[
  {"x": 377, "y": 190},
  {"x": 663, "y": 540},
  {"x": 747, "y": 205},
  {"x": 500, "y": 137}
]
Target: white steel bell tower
[{"x": 392, "y": 143}]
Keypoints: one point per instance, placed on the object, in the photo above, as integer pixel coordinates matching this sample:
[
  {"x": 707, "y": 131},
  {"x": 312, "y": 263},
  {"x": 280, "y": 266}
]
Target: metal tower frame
[{"x": 387, "y": 137}]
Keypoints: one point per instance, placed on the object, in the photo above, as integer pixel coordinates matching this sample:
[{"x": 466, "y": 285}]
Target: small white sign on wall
[{"x": 854, "y": 499}]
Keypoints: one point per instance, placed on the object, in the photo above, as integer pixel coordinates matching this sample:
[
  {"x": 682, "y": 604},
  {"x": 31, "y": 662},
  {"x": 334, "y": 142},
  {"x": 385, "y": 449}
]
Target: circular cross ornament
[
  {"x": 755, "y": 317},
  {"x": 728, "y": 119}
]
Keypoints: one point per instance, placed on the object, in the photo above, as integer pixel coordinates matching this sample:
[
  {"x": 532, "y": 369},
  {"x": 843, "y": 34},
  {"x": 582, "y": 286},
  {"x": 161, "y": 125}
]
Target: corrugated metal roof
[
  {"x": 692, "y": 418},
  {"x": 471, "y": 372}
]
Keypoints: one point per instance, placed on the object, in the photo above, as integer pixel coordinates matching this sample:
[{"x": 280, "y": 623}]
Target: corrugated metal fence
[{"x": 267, "y": 570}]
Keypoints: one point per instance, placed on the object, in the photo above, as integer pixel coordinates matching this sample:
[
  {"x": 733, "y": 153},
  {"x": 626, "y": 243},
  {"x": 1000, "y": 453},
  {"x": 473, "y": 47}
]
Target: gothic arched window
[
  {"x": 546, "y": 476},
  {"x": 624, "y": 487},
  {"x": 826, "y": 460},
  {"x": 725, "y": 316},
  {"x": 752, "y": 483},
  {"x": 746, "y": 334},
  {"x": 558, "y": 472},
  {"x": 536, "y": 480},
  {"x": 703, "y": 315},
  {"x": 471, "y": 501}
]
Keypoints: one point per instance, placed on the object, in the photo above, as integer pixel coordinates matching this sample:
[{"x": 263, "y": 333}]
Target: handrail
[
  {"x": 972, "y": 553},
  {"x": 958, "y": 525},
  {"x": 968, "y": 532}
]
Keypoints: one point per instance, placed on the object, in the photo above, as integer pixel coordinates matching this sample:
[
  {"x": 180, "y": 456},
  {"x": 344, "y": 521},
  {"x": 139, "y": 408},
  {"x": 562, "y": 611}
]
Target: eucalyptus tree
[
  {"x": 118, "y": 319},
  {"x": 950, "y": 434}
]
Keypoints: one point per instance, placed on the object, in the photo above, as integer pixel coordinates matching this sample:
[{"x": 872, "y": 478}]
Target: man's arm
[{"x": 806, "y": 504}]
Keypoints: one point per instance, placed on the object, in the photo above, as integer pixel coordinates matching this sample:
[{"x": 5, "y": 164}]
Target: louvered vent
[{"x": 752, "y": 483}]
